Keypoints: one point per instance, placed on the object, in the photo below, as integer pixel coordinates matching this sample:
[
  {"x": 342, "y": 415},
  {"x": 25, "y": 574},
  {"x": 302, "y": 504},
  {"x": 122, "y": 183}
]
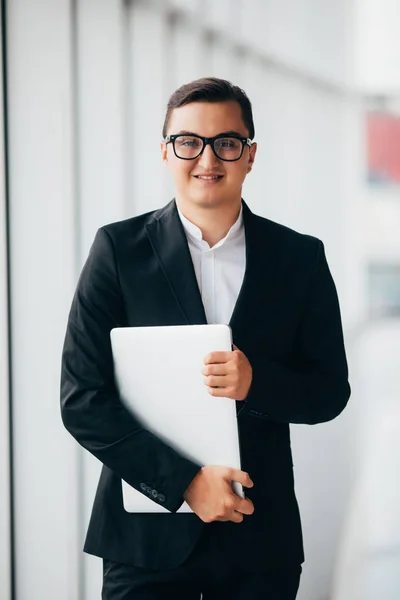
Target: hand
[
  {"x": 228, "y": 374},
  {"x": 211, "y": 497}
]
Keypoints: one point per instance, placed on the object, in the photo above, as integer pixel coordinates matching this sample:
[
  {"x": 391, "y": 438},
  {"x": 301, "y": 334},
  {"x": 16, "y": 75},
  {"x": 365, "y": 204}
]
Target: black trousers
[{"x": 207, "y": 573}]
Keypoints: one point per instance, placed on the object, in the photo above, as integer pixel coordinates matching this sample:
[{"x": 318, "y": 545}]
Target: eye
[
  {"x": 228, "y": 143},
  {"x": 188, "y": 142}
]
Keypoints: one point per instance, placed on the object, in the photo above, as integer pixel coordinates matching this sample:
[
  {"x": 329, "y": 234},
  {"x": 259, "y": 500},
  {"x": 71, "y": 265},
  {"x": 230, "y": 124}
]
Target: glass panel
[{"x": 384, "y": 289}]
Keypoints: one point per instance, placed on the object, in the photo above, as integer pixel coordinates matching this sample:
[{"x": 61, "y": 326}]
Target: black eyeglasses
[{"x": 225, "y": 147}]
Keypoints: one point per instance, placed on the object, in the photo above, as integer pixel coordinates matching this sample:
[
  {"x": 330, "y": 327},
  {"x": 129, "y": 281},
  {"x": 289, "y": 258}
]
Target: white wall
[
  {"x": 5, "y": 549},
  {"x": 87, "y": 91},
  {"x": 377, "y": 43},
  {"x": 43, "y": 239},
  {"x": 311, "y": 37},
  {"x": 103, "y": 185}
]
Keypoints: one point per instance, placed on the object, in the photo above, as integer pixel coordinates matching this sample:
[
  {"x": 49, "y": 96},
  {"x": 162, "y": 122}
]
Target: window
[{"x": 384, "y": 289}]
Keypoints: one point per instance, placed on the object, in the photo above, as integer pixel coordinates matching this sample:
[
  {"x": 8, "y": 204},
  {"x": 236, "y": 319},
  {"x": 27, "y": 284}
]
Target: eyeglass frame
[{"x": 245, "y": 142}]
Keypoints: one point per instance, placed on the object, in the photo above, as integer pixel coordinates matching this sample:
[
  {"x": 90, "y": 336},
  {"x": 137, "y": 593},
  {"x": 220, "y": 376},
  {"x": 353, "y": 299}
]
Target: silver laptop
[{"x": 158, "y": 374}]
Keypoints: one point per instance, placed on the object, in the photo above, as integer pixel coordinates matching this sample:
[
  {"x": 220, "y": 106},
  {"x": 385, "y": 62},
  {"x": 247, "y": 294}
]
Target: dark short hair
[{"x": 210, "y": 89}]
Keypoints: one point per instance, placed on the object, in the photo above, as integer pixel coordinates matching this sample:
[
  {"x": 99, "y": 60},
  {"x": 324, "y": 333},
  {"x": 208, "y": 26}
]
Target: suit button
[
  {"x": 143, "y": 486},
  {"x": 154, "y": 493},
  {"x": 161, "y": 497}
]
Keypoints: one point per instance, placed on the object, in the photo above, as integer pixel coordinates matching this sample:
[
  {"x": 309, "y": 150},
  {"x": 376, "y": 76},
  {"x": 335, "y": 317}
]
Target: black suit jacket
[{"x": 287, "y": 321}]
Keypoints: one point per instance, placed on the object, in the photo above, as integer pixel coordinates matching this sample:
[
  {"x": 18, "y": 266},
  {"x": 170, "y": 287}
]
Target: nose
[{"x": 207, "y": 159}]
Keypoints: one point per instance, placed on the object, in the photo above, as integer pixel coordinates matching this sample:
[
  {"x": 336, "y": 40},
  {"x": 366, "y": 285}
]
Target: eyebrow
[{"x": 227, "y": 133}]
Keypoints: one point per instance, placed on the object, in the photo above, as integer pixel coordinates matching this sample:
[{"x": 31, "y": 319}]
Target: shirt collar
[{"x": 195, "y": 232}]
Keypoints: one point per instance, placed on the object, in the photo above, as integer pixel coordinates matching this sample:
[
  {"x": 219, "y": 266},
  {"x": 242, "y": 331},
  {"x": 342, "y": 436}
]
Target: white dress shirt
[{"x": 219, "y": 270}]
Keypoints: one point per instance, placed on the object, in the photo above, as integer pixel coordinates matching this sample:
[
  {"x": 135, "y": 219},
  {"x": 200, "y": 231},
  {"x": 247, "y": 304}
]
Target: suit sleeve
[
  {"x": 313, "y": 387},
  {"x": 90, "y": 405}
]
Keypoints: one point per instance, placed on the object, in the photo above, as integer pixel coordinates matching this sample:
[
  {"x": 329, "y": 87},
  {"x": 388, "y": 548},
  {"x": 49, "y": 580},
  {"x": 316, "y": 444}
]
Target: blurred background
[{"x": 84, "y": 87}]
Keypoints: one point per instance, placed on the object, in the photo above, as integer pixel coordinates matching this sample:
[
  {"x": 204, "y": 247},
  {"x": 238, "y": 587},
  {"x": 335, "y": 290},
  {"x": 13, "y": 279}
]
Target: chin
[
  {"x": 209, "y": 199},
  {"x": 209, "y": 202}
]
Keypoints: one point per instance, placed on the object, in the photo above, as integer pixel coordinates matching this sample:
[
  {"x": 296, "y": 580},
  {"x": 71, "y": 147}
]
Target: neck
[{"x": 214, "y": 222}]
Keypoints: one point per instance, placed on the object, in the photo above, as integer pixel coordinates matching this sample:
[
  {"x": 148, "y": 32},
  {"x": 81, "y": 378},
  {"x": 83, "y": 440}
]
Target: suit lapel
[
  {"x": 260, "y": 280},
  {"x": 244, "y": 296},
  {"x": 169, "y": 243}
]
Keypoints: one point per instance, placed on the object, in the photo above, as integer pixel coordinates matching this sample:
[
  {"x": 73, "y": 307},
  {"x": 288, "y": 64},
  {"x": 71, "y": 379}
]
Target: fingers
[
  {"x": 241, "y": 477},
  {"x": 221, "y": 392},
  {"x": 234, "y": 508},
  {"x": 221, "y": 379},
  {"x": 217, "y": 357},
  {"x": 218, "y": 381},
  {"x": 236, "y": 517},
  {"x": 244, "y": 506},
  {"x": 216, "y": 369},
  {"x": 238, "y": 507}
]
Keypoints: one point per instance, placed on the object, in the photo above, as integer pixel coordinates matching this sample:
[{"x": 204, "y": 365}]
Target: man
[{"x": 205, "y": 258}]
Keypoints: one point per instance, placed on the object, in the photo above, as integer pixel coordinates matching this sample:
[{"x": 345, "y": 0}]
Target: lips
[{"x": 208, "y": 177}]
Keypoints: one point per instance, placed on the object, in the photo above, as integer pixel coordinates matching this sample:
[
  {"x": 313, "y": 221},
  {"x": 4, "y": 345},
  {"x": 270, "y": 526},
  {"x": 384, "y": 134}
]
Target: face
[{"x": 208, "y": 119}]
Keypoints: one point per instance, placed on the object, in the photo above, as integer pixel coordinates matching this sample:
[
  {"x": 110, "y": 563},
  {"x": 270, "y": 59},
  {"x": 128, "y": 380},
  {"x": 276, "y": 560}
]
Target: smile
[{"x": 209, "y": 177}]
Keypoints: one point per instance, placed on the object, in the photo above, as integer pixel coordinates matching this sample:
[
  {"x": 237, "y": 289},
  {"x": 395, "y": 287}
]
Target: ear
[
  {"x": 252, "y": 156},
  {"x": 164, "y": 154}
]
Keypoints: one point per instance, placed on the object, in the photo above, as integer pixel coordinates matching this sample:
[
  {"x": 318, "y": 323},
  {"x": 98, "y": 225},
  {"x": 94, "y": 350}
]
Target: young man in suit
[{"x": 205, "y": 258}]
